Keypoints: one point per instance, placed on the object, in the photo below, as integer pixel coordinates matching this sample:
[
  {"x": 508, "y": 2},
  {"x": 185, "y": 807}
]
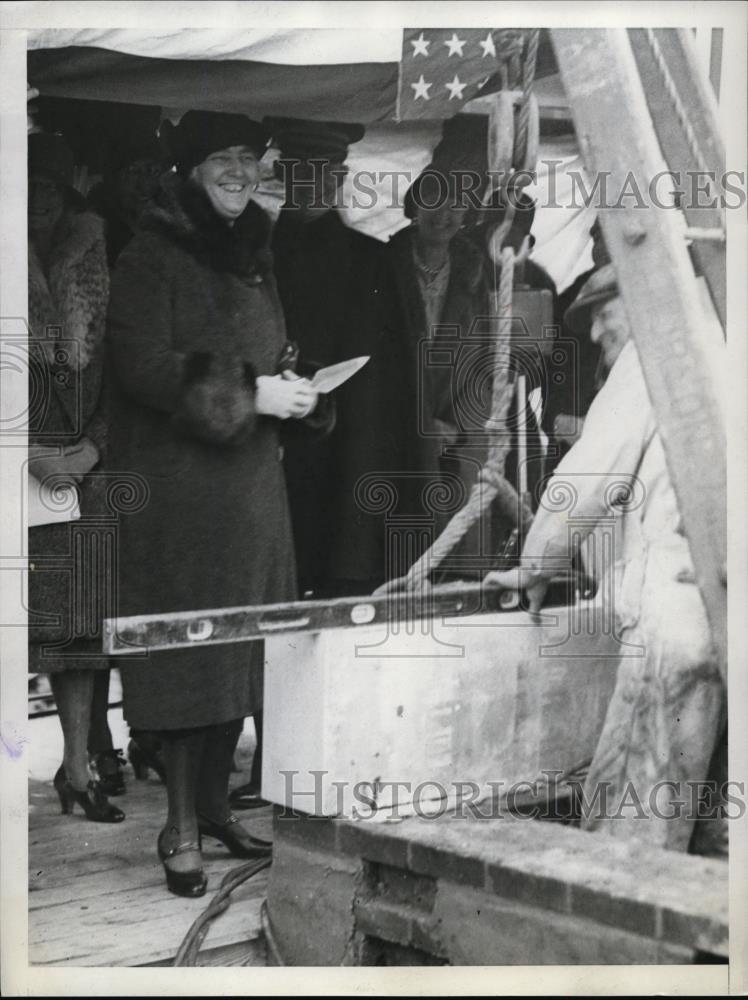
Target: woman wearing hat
[
  {"x": 439, "y": 275},
  {"x": 68, "y": 289},
  {"x": 132, "y": 177},
  {"x": 195, "y": 330}
]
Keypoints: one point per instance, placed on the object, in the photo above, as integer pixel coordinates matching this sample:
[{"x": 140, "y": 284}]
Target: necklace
[{"x": 430, "y": 271}]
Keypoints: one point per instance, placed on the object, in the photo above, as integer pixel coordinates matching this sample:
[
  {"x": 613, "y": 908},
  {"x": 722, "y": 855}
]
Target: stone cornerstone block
[{"x": 361, "y": 718}]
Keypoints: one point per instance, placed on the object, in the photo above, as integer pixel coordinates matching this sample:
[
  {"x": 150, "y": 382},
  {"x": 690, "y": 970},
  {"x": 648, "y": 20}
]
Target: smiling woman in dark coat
[{"x": 195, "y": 329}]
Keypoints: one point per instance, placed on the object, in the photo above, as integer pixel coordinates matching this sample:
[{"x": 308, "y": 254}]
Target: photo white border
[{"x": 20, "y": 979}]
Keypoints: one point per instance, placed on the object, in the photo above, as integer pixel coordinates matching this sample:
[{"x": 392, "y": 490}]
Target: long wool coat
[
  {"x": 340, "y": 302},
  {"x": 192, "y": 300},
  {"x": 67, "y": 312}
]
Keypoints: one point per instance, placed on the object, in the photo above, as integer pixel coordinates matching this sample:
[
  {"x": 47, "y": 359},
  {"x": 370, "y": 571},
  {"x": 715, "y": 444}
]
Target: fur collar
[
  {"x": 73, "y": 293},
  {"x": 183, "y": 213}
]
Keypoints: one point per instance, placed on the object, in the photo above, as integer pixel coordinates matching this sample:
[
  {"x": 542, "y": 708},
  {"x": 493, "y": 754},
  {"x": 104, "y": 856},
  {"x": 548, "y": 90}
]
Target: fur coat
[
  {"x": 74, "y": 292},
  {"x": 67, "y": 312},
  {"x": 193, "y": 317}
]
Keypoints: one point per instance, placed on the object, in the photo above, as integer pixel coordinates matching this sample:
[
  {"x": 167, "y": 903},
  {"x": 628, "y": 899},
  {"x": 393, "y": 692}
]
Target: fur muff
[
  {"x": 217, "y": 403},
  {"x": 69, "y": 303}
]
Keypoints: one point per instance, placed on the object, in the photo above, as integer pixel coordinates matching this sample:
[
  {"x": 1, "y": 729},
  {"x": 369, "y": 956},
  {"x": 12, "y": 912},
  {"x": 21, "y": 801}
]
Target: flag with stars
[{"x": 442, "y": 68}]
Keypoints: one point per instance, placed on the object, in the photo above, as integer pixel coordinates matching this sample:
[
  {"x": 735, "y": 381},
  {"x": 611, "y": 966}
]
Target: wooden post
[
  {"x": 659, "y": 292},
  {"x": 666, "y": 58}
]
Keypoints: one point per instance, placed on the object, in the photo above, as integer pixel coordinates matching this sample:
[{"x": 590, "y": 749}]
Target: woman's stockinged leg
[
  {"x": 182, "y": 751},
  {"x": 214, "y": 815},
  {"x": 99, "y": 734},
  {"x": 73, "y": 691},
  {"x": 212, "y": 798}
]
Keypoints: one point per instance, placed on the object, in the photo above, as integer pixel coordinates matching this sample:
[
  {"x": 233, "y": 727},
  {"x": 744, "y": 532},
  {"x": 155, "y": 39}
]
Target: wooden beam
[
  {"x": 659, "y": 291},
  {"x": 666, "y": 59}
]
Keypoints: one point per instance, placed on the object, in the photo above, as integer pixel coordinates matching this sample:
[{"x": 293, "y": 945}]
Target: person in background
[
  {"x": 68, "y": 291},
  {"x": 335, "y": 286},
  {"x": 573, "y": 398},
  {"x": 135, "y": 164},
  {"x": 442, "y": 295},
  {"x": 668, "y": 707},
  {"x": 195, "y": 333}
]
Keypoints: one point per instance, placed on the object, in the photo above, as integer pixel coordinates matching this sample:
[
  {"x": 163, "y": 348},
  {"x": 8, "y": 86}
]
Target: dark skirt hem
[{"x": 54, "y": 659}]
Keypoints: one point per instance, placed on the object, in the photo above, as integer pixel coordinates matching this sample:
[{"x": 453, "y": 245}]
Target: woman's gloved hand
[{"x": 285, "y": 396}]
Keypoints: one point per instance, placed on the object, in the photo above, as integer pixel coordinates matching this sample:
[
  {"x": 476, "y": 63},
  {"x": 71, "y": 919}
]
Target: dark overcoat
[
  {"x": 452, "y": 367},
  {"x": 340, "y": 301},
  {"x": 190, "y": 295}
]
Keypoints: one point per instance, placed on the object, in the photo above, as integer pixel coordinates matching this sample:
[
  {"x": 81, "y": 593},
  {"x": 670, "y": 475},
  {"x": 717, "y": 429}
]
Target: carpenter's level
[{"x": 141, "y": 633}]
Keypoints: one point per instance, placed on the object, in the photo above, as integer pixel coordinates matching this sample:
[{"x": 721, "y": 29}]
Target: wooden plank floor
[{"x": 97, "y": 894}]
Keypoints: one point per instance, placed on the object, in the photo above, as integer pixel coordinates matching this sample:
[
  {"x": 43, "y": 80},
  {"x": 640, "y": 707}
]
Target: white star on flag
[
  {"x": 431, "y": 83},
  {"x": 455, "y": 45},
  {"x": 489, "y": 49},
  {"x": 455, "y": 88},
  {"x": 421, "y": 46},
  {"x": 421, "y": 89}
]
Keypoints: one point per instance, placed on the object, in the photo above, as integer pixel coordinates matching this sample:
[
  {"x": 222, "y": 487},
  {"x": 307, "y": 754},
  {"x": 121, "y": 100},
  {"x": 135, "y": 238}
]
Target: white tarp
[{"x": 292, "y": 47}]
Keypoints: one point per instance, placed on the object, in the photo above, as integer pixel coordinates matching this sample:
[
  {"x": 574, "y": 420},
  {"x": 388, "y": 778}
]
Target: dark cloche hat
[
  {"x": 599, "y": 287},
  {"x": 50, "y": 154},
  {"x": 132, "y": 135},
  {"x": 200, "y": 133},
  {"x": 299, "y": 139},
  {"x": 129, "y": 149}
]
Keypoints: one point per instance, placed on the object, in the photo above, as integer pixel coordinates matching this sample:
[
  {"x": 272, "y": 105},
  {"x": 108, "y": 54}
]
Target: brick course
[{"x": 557, "y": 881}]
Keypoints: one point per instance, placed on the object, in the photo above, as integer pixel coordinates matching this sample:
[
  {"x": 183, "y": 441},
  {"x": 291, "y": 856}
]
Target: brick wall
[{"x": 487, "y": 892}]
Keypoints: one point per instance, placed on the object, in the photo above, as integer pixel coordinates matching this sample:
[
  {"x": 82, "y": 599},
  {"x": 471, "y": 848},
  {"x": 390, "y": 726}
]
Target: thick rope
[
  {"x": 528, "y": 79},
  {"x": 491, "y": 482}
]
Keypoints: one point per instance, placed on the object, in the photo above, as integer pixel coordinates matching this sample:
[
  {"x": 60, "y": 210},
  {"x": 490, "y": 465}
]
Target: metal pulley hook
[{"x": 500, "y": 233}]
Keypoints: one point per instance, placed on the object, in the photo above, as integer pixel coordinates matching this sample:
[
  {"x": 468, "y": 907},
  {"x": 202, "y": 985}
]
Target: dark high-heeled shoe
[
  {"x": 239, "y": 841},
  {"x": 109, "y": 764},
  {"x": 92, "y": 801},
  {"x": 142, "y": 757},
  {"x": 190, "y": 883}
]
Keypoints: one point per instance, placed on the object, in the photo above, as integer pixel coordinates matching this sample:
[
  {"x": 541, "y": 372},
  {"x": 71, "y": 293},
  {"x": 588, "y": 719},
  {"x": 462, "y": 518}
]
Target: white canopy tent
[{"x": 326, "y": 74}]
